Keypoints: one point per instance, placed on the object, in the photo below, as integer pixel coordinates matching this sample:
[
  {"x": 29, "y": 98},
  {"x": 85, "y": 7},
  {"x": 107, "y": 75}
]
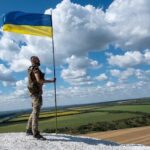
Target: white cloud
[
  {"x": 142, "y": 75},
  {"x": 123, "y": 75},
  {"x": 20, "y": 65},
  {"x": 77, "y": 30},
  {"x": 77, "y": 94},
  {"x": 80, "y": 29},
  {"x": 130, "y": 22},
  {"x": 48, "y": 71},
  {"x": 8, "y": 83},
  {"x": 126, "y": 60},
  {"x": 147, "y": 56},
  {"x": 131, "y": 72},
  {"x": 21, "y": 88},
  {"x": 102, "y": 77},
  {"x": 10, "y": 45},
  {"x": 6, "y": 74},
  {"x": 108, "y": 92},
  {"x": 115, "y": 72},
  {"x": 110, "y": 84},
  {"x": 129, "y": 59},
  {"x": 76, "y": 73},
  {"x": 18, "y": 99},
  {"x": 81, "y": 62}
]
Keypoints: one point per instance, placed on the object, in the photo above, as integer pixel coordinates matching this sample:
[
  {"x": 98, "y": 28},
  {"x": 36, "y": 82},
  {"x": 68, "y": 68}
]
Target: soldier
[{"x": 35, "y": 82}]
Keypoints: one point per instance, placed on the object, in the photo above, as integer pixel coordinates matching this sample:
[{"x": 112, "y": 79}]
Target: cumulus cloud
[
  {"x": 48, "y": 71},
  {"x": 102, "y": 77},
  {"x": 131, "y": 72},
  {"x": 122, "y": 75},
  {"x": 80, "y": 29},
  {"x": 81, "y": 62},
  {"x": 18, "y": 99},
  {"x": 130, "y": 21},
  {"x": 21, "y": 88},
  {"x": 76, "y": 73},
  {"x": 110, "y": 84},
  {"x": 6, "y": 74},
  {"x": 147, "y": 56},
  {"x": 8, "y": 49},
  {"x": 77, "y": 94},
  {"x": 110, "y": 91},
  {"x": 77, "y": 31},
  {"x": 129, "y": 59},
  {"x": 142, "y": 75},
  {"x": 20, "y": 65}
]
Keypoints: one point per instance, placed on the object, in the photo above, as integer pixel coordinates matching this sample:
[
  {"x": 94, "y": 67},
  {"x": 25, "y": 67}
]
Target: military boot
[
  {"x": 38, "y": 136},
  {"x": 29, "y": 132}
]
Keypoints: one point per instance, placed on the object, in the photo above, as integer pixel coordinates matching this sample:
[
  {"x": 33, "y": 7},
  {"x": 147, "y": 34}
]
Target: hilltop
[{"x": 17, "y": 141}]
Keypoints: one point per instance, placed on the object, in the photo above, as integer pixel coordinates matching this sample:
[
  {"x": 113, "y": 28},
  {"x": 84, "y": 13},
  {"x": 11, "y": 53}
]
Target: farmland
[
  {"x": 86, "y": 118},
  {"x": 139, "y": 135}
]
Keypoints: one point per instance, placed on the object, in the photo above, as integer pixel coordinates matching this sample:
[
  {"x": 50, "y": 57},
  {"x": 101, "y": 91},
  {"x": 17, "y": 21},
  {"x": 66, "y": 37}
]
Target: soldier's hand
[{"x": 54, "y": 80}]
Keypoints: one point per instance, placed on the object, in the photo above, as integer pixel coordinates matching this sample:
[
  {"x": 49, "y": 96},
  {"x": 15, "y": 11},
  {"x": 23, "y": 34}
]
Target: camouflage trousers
[{"x": 34, "y": 116}]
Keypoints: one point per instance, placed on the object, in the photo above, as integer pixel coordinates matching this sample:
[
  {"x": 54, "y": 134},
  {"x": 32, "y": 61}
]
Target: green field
[
  {"x": 132, "y": 108},
  {"x": 77, "y": 116},
  {"x": 70, "y": 121}
]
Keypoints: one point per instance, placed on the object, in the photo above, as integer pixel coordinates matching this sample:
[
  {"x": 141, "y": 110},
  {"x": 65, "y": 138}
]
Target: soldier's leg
[
  {"x": 29, "y": 123},
  {"x": 37, "y": 102}
]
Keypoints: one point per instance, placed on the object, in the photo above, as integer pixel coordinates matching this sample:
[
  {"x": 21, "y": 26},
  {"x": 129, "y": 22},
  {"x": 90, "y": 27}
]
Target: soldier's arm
[
  {"x": 42, "y": 81},
  {"x": 50, "y": 80}
]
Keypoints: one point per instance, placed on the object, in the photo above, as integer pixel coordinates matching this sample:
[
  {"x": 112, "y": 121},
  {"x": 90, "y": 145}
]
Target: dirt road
[{"x": 139, "y": 135}]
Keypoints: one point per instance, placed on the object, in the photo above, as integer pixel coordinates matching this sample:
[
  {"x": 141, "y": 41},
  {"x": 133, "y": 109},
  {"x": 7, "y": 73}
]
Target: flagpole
[{"x": 54, "y": 74}]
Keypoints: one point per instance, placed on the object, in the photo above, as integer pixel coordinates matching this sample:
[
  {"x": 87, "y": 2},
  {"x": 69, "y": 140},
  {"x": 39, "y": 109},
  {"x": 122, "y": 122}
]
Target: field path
[{"x": 139, "y": 135}]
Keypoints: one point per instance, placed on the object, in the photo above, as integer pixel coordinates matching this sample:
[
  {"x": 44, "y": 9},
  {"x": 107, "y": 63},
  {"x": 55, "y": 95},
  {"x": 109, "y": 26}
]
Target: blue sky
[{"x": 102, "y": 52}]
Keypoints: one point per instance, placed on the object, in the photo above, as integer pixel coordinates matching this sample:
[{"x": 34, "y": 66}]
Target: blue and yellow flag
[{"x": 28, "y": 23}]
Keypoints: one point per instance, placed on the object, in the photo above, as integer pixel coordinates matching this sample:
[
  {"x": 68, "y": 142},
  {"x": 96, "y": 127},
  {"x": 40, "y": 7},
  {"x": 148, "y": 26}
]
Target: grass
[
  {"x": 69, "y": 121},
  {"x": 132, "y": 108},
  {"x": 75, "y": 117}
]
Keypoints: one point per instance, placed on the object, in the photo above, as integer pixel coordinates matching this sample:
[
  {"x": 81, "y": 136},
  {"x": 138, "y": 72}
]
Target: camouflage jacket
[{"x": 34, "y": 87}]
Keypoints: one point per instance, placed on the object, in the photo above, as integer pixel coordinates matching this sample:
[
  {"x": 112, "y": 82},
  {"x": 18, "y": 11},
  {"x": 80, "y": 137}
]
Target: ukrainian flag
[{"x": 28, "y": 23}]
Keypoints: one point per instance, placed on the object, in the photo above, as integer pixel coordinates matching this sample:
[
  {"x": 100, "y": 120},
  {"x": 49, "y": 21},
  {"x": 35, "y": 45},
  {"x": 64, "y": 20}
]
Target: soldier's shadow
[{"x": 69, "y": 138}]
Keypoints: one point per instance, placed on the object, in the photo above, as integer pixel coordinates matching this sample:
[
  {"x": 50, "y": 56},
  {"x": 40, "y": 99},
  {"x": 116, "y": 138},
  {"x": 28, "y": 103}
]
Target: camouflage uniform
[{"x": 36, "y": 100}]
